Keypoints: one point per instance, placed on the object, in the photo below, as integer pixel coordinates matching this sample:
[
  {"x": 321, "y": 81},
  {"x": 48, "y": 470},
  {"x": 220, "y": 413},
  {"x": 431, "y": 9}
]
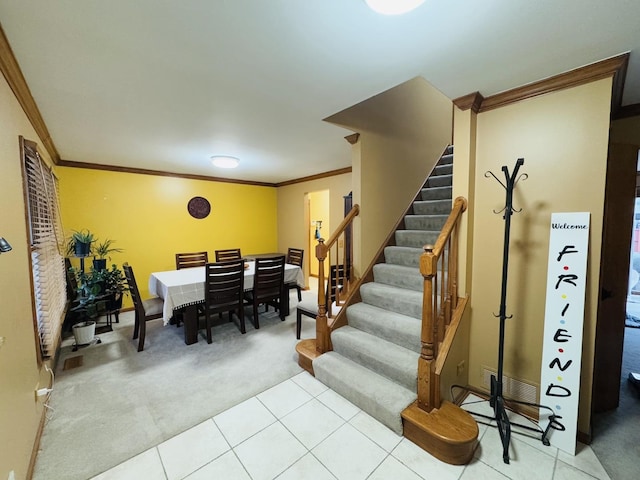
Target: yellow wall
[
  {"x": 563, "y": 138},
  {"x": 147, "y": 216},
  {"x": 20, "y": 373},
  {"x": 293, "y": 225}
]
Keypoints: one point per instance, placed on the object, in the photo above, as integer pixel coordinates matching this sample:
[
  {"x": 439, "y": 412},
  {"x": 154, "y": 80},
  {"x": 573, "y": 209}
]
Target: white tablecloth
[{"x": 179, "y": 288}]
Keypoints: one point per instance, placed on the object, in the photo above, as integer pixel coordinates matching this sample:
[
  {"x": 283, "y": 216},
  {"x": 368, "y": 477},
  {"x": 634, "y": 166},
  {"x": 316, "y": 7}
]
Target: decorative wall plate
[{"x": 199, "y": 207}]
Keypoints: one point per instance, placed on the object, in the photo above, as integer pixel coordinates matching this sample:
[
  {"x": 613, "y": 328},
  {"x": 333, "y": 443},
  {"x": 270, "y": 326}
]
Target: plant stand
[{"x": 84, "y": 334}]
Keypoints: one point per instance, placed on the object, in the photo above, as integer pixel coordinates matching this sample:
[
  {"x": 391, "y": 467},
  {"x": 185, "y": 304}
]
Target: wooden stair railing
[
  {"x": 443, "y": 429},
  {"x": 334, "y": 248},
  {"x": 440, "y": 300}
]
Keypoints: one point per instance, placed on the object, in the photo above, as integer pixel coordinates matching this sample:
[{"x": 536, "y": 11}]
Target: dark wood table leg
[
  {"x": 284, "y": 301},
  {"x": 191, "y": 324}
]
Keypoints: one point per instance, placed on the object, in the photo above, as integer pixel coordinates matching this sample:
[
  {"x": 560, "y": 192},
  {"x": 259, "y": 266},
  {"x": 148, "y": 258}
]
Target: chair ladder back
[
  {"x": 228, "y": 254},
  {"x": 190, "y": 260},
  {"x": 224, "y": 284},
  {"x": 269, "y": 276},
  {"x": 294, "y": 256}
]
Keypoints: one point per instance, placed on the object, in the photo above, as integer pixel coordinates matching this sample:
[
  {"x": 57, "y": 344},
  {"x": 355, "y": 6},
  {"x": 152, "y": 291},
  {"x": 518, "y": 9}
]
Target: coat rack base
[{"x": 500, "y": 406}]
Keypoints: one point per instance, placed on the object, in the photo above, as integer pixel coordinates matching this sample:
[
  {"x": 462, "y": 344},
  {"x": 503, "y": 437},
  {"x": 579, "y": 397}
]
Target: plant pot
[
  {"x": 82, "y": 249},
  {"x": 99, "y": 263},
  {"x": 84, "y": 332}
]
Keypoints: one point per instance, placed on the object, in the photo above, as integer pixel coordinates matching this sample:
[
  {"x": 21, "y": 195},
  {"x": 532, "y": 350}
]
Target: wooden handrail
[
  {"x": 440, "y": 299},
  {"x": 346, "y": 221}
]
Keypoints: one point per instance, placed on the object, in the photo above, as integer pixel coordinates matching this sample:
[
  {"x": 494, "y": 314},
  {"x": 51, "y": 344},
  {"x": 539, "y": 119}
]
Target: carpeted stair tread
[
  {"x": 436, "y": 193},
  {"x": 425, "y": 222},
  {"x": 392, "y": 361},
  {"x": 399, "y": 276},
  {"x": 416, "y": 238},
  {"x": 432, "y": 207},
  {"x": 400, "y": 255},
  {"x": 439, "y": 181},
  {"x": 443, "y": 169},
  {"x": 394, "y": 327},
  {"x": 394, "y": 299},
  {"x": 378, "y": 396}
]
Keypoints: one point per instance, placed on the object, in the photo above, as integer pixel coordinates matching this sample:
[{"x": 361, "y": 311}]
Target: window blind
[{"x": 47, "y": 243}]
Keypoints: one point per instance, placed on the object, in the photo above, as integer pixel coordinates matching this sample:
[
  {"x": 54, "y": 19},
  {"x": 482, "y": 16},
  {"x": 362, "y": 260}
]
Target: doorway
[
  {"x": 318, "y": 226},
  {"x": 620, "y": 188}
]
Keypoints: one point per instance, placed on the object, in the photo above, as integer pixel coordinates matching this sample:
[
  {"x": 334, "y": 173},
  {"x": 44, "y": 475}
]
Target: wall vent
[{"x": 511, "y": 387}]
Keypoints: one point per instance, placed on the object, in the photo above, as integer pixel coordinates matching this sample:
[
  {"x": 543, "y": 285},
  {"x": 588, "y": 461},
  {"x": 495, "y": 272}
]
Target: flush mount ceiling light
[
  {"x": 225, "y": 161},
  {"x": 393, "y": 7}
]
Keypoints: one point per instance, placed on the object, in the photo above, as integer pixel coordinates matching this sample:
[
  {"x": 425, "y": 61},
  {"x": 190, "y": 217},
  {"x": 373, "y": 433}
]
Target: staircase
[{"x": 374, "y": 357}]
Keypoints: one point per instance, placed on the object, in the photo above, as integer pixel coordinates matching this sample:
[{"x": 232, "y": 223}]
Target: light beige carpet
[{"x": 119, "y": 402}]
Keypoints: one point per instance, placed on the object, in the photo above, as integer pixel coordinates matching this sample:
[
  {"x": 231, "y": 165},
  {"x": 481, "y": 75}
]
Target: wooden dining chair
[
  {"x": 145, "y": 310},
  {"x": 229, "y": 254},
  {"x": 268, "y": 286},
  {"x": 309, "y": 308},
  {"x": 224, "y": 292},
  {"x": 189, "y": 260},
  {"x": 294, "y": 257}
]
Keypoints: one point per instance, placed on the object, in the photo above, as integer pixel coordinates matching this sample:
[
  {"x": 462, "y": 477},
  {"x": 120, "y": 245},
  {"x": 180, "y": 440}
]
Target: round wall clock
[{"x": 199, "y": 207}]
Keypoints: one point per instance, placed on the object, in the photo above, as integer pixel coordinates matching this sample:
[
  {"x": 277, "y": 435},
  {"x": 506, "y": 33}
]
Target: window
[{"x": 47, "y": 244}]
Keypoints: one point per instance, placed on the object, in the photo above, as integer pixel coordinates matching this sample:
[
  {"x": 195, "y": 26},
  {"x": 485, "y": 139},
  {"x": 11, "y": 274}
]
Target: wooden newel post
[
  {"x": 426, "y": 363},
  {"x": 322, "y": 327}
]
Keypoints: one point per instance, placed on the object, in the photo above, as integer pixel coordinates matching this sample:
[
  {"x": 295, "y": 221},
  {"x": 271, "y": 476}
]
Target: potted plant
[
  {"x": 90, "y": 304},
  {"x": 115, "y": 286},
  {"x": 102, "y": 250},
  {"x": 79, "y": 243}
]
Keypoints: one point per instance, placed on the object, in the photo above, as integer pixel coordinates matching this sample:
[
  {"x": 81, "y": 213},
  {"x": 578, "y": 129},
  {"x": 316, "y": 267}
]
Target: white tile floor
[{"x": 300, "y": 429}]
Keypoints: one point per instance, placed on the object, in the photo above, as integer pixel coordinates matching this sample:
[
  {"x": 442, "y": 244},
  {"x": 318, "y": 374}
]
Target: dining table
[{"x": 183, "y": 291}]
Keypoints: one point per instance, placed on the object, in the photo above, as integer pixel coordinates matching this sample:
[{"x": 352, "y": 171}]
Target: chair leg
[
  {"x": 208, "y": 323},
  {"x": 241, "y": 317},
  {"x": 280, "y": 310},
  {"x": 136, "y": 326},
  {"x": 256, "y": 322},
  {"x": 298, "y": 323},
  {"x": 299, "y": 293},
  {"x": 143, "y": 331}
]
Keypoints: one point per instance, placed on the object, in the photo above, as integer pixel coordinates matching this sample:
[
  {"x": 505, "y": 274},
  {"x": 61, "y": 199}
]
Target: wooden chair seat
[{"x": 309, "y": 308}]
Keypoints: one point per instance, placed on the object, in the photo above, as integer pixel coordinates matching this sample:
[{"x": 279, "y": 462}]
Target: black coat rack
[{"x": 497, "y": 400}]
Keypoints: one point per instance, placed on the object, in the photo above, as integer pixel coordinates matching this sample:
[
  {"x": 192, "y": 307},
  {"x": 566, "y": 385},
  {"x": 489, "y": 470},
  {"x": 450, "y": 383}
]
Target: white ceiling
[{"x": 165, "y": 84}]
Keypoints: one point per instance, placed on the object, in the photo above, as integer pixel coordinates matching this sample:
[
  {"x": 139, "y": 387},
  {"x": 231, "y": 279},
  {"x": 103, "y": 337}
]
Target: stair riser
[
  {"x": 443, "y": 169},
  {"x": 399, "y": 329},
  {"x": 402, "y": 301},
  {"x": 397, "y": 364},
  {"x": 425, "y": 222},
  {"x": 398, "y": 255},
  {"x": 416, "y": 238},
  {"x": 440, "y": 181},
  {"x": 379, "y": 397},
  {"x": 432, "y": 207},
  {"x": 436, "y": 193},
  {"x": 398, "y": 277}
]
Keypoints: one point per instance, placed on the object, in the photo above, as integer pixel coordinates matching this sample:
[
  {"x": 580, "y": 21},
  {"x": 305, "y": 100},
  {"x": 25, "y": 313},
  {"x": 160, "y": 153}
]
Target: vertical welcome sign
[{"x": 563, "y": 326}]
